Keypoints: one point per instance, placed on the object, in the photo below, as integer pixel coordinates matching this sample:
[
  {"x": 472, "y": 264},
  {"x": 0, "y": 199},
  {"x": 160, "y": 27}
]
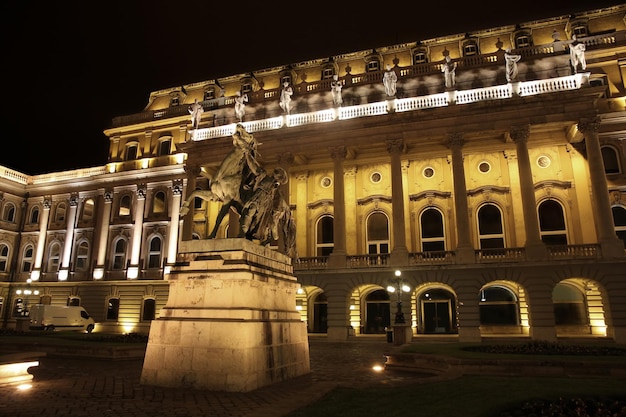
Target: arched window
[
  {"x": 34, "y": 215},
  {"x": 197, "y": 202},
  {"x": 569, "y": 305},
  {"x": 88, "y": 210},
  {"x": 131, "y": 151},
  {"x": 54, "y": 257},
  {"x": 378, "y": 315},
  {"x": 119, "y": 254},
  {"x": 113, "y": 308},
  {"x": 619, "y": 220},
  {"x": 8, "y": 212},
  {"x": 498, "y": 306},
  {"x": 27, "y": 258},
  {"x": 420, "y": 56},
  {"x": 148, "y": 311},
  {"x": 610, "y": 159},
  {"x": 158, "y": 202},
  {"x": 81, "y": 263},
  {"x": 59, "y": 215},
  {"x": 125, "y": 205},
  {"x": 490, "y": 229},
  {"x": 165, "y": 146},
  {"x": 377, "y": 233},
  {"x": 431, "y": 230},
  {"x": 4, "y": 257},
  {"x": 325, "y": 240},
  {"x": 523, "y": 39},
  {"x": 154, "y": 254},
  {"x": 552, "y": 223}
]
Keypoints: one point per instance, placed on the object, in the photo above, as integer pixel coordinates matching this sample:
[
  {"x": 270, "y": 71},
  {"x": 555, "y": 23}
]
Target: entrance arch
[{"x": 437, "y": 312}]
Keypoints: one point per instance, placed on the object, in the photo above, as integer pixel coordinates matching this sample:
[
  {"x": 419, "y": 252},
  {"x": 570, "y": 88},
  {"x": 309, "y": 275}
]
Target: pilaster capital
[
  {"x": 177, "y": 187},
  {"x": 141, "y": 192},
  {"x": 520, "y": 133},
  {"x": 395, "y": 146},
  {"x": 338, "y": 153},
  {"x": 589, "y": 125},
  {"x": 455, "y": 140}
]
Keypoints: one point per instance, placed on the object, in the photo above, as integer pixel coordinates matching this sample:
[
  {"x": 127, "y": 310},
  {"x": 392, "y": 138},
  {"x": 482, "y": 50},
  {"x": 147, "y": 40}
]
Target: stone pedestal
[{"x": 230, "y": 322}]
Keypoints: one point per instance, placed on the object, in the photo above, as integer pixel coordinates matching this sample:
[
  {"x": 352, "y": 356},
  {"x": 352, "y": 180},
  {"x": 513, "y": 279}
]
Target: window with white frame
[
  {"x": 27, "y": 258},
  {"x": 377, "y": 233},
  {"x": 154, "y": 252},
  {"x": 490, "y": 228},
  {"x": 54, "y": 257},
  {"x": 81, "y": 263},
  {"x": 4, "y": 257},
  {"x": 8, "y": 212},
  {"x": 432, "y": 230},
  {"x": 119, "y": 254},
  {"x": 552, "y": 223},
  {"x": 325, "y": 240},
  {"x": 34, "y": 215}
]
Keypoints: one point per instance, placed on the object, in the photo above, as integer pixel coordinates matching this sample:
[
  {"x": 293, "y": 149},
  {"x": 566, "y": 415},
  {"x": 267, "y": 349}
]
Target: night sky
[{"x": 70, "y": 69}]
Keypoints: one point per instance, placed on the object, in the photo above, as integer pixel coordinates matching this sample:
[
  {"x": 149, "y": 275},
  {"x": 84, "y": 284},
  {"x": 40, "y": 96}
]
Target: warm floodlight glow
[
  {"x": 167, "y": 269},
  {"x": 18, "y": 292},
  {"x": 406, "y": 288},
  {"x": 24, "y": 387},
  {"x": 391, "y": 288},
  {"x": 300, "y": 291},
  {"x": 63, "y": 273},
  {"x": 34, "y": 275},
  {"x": 98, "y": 273},
  {"x": 133, "y": 272},
  {"x": 398, "y": 273},
  {"x": 145, "y": 163},
  {"x": 179, "y": 158},
  {"x": 299, "y": 308},
  {"x": 128, "y": 327},
  {"x": 378, "y": 368}
]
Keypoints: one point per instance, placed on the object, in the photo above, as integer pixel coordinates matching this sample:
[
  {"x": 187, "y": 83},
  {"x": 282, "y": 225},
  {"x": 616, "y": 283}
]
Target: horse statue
[
  {"x": 242, "y": 183},
  {"x": 239, "y": 166}
]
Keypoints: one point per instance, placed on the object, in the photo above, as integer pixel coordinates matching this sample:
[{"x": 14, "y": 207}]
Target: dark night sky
[{"x": 69, "y": 69}]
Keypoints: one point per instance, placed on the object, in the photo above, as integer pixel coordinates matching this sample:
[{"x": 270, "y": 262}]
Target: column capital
[
  {"x": 177, "y": 187},
  {"x": 47, "y": 202},
  {"x": 338, "y": 153},
  {"x": 589, "y": 125},
  {"x": 192, "y": 169},
  {"x": 455, "y": 139},
  {"x": 108, "y": 196},
  {"x": 395, "y": 146},
  {"x": 141, "y": 191},
  {"x": 74, "y": 200},
  {"x": 520, "y": 133},
  {"x": 286, "y": 159}
]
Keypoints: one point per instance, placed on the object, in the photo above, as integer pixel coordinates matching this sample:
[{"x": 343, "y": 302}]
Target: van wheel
[
  {"x": 90, "y": 328},
  {"x": 50, "y": 328}
]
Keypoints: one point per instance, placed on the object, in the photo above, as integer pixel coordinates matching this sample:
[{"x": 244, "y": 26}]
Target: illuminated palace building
[{"x": 496, "y": 191}]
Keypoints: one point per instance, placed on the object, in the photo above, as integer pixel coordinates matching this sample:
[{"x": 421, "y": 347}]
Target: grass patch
[{"x": 468, "y": 396}]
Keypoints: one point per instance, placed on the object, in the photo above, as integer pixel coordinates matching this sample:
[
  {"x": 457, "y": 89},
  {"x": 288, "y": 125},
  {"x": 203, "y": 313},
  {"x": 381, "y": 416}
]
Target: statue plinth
[{"x": 230, "y": 322}]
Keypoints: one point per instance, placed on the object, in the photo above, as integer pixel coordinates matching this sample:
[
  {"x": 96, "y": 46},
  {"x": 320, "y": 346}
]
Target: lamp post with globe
[{"x": 398, "y": 286}]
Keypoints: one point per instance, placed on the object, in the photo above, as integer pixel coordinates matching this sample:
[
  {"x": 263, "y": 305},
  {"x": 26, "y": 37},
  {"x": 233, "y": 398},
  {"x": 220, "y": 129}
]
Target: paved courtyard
[{"x": 81, "y": 387}]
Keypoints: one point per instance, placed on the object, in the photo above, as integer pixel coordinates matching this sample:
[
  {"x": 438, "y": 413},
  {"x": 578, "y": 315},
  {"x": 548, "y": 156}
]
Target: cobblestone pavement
[{"x": 81, "y": 387}]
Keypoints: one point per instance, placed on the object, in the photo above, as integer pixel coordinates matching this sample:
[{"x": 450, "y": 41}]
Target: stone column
[
  {"x": 41, "y": 242},
  {"x": 192, "y": 173},
  {"x": 535, "y": 249},
  {"x": 338, "y": 311},
  {"x": 541, "y": 308},
  {"x": 338, "y": 257},
  {"x": 469, "y": 310},
  {"x": 612, "y": 246},
  {"x": 103, "y": 235},
  {"x": 464, "y": 249},
  {"x": 64, "y": 270},
  {"x": 137, "y": 237},
  {"x": 399, "y": 254},
  {"x": 172, "y": 245}
]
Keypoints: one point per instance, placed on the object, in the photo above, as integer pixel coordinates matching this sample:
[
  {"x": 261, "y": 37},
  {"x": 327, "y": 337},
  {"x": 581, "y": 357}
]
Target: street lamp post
[{"x": 398, "y": 286}]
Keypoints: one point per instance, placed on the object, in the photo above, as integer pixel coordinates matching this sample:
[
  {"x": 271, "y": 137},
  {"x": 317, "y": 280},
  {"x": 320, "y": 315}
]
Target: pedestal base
[{"x": 230, "y": 323}]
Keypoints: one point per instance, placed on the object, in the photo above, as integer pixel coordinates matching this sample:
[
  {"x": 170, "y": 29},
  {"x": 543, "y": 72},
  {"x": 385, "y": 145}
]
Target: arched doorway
[
  {"x": 320, "y": 314},
  {"x": 437, "y": 312},
  {"x": 377, "y": 312}
]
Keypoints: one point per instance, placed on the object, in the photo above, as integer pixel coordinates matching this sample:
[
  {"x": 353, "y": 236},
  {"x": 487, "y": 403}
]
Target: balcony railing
[
  {"x": 417, "y": 70},
  {"x": 482, "y": 256}
]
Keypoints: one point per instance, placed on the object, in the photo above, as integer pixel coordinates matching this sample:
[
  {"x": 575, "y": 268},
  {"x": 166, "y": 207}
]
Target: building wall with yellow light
[{"x": 105, "y": 237}]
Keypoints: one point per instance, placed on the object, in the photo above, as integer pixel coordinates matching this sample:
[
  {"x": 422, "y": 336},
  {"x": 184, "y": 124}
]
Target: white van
[{"x": 47, "y": 317}]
